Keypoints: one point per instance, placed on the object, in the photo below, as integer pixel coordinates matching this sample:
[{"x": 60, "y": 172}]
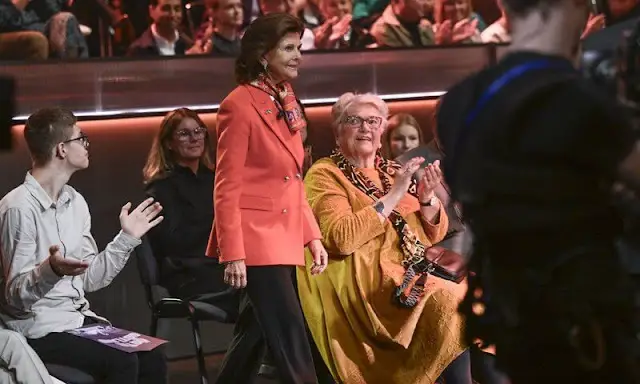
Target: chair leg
[
  {"x": 154, "y": 325},
  {"x": 204, "y": 377}
]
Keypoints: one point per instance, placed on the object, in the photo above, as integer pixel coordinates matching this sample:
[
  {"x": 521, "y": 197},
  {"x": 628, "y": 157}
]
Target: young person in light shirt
[{"x": 50, "y": 259}]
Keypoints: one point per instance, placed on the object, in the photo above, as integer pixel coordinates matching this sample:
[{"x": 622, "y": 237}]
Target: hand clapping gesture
[
  {"x": 404, "y": 175},
  {"x": 139, "y": 221},
  {"x": 65, "y": 267},
  {"x": 461, "y": 31},
  {"x": 430, "y": 180}
]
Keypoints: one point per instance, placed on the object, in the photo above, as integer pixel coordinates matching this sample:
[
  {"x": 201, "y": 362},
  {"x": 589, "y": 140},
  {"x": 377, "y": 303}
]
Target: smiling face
[
  {"x": 360, "y": 131},
  {"x": 284, "y": 60},
  {"x": 167, "y": 14},
  {"x": 188, "y": 141}
]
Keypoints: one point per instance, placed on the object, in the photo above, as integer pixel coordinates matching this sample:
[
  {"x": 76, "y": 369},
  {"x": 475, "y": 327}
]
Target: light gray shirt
[{"x": 34, "y": 301}]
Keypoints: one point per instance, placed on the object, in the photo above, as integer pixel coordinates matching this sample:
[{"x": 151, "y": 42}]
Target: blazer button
[
  {"x": 284, "y": 210},
  {"x": 298, "y": 176},
  {"x": 286, "y": 178}
]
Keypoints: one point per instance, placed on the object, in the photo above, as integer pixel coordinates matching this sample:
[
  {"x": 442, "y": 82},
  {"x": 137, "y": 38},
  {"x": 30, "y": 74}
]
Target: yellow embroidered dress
[{"x": 363, "y": 336}]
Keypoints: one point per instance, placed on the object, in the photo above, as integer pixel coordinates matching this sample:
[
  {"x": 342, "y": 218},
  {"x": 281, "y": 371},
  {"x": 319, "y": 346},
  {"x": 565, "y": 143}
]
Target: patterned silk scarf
[
  {"x": 286, "y": 100},
  {"x": 413, "y": 250}
]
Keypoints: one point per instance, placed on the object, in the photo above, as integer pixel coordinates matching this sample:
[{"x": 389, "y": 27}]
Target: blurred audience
[
  {"x": 215, "y": 27},
  {"x": 498, "y": 32},
  {"x": 455, "y": 22},
  {"x": 163, "y": 37},
  {"x": 227, "y": 17},
  {"x": 62, "y": 29},
  {"x": 24, "y": 45}
]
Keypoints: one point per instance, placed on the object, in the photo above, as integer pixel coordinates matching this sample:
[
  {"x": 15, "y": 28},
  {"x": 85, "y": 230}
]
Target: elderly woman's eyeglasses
[
  {"x": 83, "y": 139},
  {"x": 186, "y": 134},
  {"x": 352, "y": 121}
]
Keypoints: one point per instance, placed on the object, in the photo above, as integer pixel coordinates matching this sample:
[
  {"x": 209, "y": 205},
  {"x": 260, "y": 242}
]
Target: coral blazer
[{"x": 261, "y": 209}]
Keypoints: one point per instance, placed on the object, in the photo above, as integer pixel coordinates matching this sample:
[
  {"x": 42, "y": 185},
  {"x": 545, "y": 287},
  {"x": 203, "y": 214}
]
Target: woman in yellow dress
[{"x": 369, "y": 316}]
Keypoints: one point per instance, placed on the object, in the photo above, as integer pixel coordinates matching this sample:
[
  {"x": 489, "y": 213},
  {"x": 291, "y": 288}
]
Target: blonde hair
[
  {"x": 160, "y": 160},
  {"x": 396, "y": 121},
  {"x": 349, "y": 100}
]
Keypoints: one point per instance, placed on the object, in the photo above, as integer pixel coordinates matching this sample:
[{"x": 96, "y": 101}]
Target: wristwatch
[
  {"x": 379, "y": 207},
  {"x": 429, "y": 203}
]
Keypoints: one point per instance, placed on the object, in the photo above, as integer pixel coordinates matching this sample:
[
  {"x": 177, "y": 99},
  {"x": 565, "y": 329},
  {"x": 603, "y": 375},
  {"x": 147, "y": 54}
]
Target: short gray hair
[{"x": 350, "y": 100}]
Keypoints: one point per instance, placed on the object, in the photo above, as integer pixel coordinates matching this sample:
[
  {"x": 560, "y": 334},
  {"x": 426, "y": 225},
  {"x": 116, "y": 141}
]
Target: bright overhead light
[{"x": 212, "y": 107}]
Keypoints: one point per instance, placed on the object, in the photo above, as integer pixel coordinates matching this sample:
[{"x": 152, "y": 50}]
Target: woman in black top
[{"x": 179, "y": 174}]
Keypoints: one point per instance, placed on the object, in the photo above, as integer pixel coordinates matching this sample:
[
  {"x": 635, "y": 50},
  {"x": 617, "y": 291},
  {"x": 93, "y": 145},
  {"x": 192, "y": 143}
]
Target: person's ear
[{"x": 60, "y": 151}]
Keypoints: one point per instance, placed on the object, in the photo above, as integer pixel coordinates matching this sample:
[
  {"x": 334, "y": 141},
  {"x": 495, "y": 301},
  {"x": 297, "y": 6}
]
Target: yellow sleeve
[
  {"x": 436, "y": 231},
  {"x": 343, "y": 230}
]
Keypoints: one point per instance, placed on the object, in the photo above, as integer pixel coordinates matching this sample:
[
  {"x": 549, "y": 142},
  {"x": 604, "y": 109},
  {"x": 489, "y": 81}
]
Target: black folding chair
[
  {"x": 164, "y": 307},
  {"x": 69, "y": 375}
]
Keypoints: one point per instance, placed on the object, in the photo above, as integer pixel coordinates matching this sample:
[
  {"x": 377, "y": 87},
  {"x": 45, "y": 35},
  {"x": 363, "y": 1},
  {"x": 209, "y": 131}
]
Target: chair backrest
[
  {"x": 147, "y": 264},
  {"x": 149, "y": 271}
]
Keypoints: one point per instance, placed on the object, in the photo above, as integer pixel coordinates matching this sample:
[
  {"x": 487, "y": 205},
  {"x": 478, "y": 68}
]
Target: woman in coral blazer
[{"x": 262, "y": 219}]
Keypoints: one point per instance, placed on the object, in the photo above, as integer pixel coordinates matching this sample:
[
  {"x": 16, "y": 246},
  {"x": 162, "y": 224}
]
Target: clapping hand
[
  {"x": 139, "y": 221},
  {"x": 405, "y": 174},
  {"x": 461, "y": 31},
  {"x": 430, "y": 180},
  {"x": 63, "y": 266},
  {"x": 339, "y": 30}
]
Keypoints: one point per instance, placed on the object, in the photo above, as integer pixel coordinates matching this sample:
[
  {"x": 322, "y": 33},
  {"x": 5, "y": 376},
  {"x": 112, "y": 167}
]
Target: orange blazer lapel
[{"x": 269, "y": 114}]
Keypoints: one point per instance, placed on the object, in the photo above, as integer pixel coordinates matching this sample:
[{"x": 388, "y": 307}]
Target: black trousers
[
  {"x": 269, "y": 312},
  {"x": 105, "y": 364}
]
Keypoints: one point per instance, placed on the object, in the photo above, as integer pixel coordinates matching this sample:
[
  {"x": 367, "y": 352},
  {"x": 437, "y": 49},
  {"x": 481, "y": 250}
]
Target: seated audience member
[
  {"x": 228, "y": 16},
  {"x": 163, "y": 37},
  {"x": 456, "y": 23},
  {"x": 45, "y": 16},
  {"x": 404, "y": 23},
  {"x": 284, "y": 6},
  {"x": 338, "y": 31},
  {"x": 50, "y": 258},
  {"x": 179, "y": 175},
  {"x": 351, "y": 309},
  {"x": 25, "y": 45},
  {"x": 19, "y": 364},
  {"x": 403, "y": 134}
]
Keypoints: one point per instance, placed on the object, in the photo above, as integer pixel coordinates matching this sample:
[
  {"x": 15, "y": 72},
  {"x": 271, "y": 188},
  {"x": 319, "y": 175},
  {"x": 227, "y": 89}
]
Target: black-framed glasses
[
  {"x": 83, "y": 139},
  {"x": 353, "y": 121},
  {"x": 186, "y": 134}
]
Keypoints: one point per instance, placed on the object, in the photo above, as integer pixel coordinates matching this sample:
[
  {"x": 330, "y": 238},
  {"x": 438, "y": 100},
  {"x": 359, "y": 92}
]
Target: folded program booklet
[{"x": 117, "y": 338}]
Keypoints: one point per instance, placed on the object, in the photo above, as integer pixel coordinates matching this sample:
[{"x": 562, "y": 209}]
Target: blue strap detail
[{"x": 503, "y": 80}]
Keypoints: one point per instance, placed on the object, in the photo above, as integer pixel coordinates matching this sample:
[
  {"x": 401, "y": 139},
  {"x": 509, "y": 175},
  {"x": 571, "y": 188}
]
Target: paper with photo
[{"x": 121, "y": 339}]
